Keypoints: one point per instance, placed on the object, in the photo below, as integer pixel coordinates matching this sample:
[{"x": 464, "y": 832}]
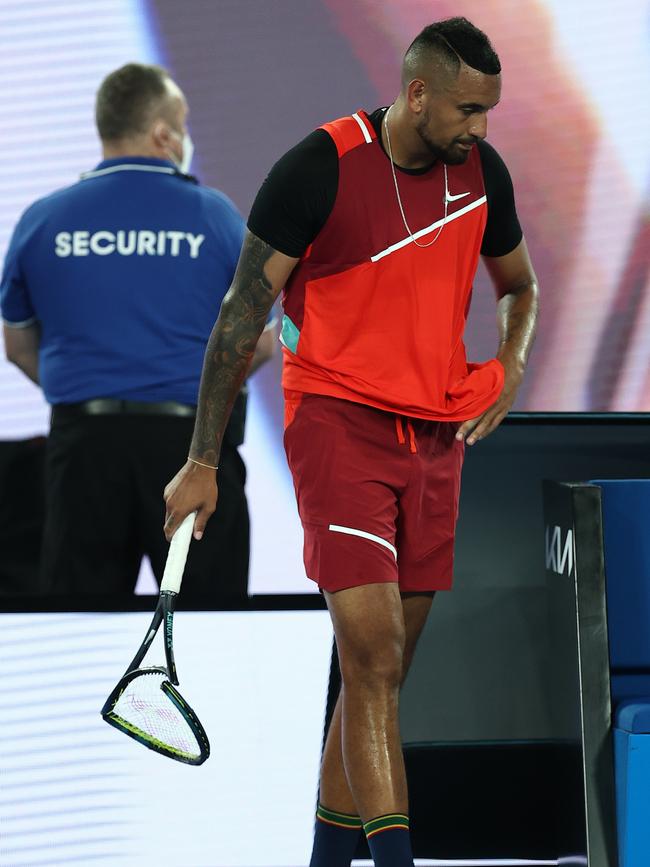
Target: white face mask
[{"x": 187, "y": 147}]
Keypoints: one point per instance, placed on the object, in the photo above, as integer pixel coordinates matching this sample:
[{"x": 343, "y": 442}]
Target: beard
[{"x": 449, "y": 154}]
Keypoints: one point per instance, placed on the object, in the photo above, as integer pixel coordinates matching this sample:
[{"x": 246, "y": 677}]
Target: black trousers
[
  {"x": 105, "y": 477},
  {"x": 22, "y": 512}
]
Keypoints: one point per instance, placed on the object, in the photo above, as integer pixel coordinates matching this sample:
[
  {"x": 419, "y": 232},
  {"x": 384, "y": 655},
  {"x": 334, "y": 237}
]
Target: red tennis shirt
[{"x": 370, "y": 315}]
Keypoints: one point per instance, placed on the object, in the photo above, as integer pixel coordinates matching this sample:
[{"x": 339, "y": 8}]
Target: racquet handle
[{"x": 178, "y": 548}]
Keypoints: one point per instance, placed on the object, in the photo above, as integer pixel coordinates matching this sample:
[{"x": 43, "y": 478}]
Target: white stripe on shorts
[{"x": 351, "y": 531}]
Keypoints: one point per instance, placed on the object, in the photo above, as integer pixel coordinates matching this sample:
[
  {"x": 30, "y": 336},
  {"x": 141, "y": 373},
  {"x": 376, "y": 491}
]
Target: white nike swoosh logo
[{"x": 451, "y": 198}]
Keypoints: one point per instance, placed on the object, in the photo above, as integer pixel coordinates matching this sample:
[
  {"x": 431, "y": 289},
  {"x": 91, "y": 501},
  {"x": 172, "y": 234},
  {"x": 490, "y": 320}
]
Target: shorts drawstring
[
  {"x": 413, "y": 446},
  {"x": 400, "y": 430},
  {"x": 401, "y": 439}
]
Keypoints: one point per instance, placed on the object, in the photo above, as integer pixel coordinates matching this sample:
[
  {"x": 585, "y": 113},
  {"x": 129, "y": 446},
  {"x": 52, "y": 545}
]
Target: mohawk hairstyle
[{"x": 453, "y": 40}]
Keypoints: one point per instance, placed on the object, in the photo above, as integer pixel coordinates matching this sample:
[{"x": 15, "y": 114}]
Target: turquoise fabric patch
[{"x": 289, "y": 335}]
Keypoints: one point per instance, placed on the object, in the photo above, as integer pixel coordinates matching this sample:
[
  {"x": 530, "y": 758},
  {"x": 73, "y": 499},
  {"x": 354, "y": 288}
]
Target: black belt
[{"x": 114, "y": 406}]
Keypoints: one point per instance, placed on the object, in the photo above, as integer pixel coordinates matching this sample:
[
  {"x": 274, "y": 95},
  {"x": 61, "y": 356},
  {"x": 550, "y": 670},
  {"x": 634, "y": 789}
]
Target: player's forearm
[
  {"x": 231, "y": 348},
  {"x": 265, "y": 349},
  {"x": 517, "y": 321},
  {"x": 227, "y": 359}
]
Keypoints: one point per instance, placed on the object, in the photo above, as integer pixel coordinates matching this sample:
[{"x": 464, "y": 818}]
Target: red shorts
[{"x": 377, "y": 493}]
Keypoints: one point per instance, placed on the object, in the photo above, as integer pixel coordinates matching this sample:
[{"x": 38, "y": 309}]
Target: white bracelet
[{"x": 207, "y": 466}]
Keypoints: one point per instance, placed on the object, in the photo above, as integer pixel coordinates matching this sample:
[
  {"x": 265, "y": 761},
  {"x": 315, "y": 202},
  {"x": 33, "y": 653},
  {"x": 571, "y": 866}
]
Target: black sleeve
[
  {"x": 502, "y": 231},
  {"x": 297, "y": 196}
]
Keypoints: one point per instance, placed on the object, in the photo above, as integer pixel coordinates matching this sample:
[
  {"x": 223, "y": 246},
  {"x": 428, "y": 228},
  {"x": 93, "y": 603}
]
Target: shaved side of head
[{"x": 436, "y": 54}]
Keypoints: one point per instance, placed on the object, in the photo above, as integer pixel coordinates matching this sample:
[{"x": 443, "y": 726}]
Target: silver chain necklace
[{"x": 399, "y": 200}]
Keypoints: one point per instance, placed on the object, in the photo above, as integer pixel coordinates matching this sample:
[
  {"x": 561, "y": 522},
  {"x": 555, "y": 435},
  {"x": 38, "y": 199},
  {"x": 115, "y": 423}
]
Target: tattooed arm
[
  {"x": 516, "y": 286},
  {"x": 260, "y": 276}
]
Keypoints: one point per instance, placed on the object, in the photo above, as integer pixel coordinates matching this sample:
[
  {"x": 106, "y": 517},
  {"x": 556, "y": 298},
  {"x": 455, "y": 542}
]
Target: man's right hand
[{"x": 193, "y": 489}]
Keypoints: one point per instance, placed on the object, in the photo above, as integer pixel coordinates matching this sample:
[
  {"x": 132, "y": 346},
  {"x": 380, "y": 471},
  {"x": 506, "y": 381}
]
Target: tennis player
[{"x": 373, "y": 226}]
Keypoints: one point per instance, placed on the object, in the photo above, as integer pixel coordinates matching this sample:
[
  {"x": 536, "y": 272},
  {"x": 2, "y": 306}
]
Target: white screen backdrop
[{"x": 76, "y": 791}]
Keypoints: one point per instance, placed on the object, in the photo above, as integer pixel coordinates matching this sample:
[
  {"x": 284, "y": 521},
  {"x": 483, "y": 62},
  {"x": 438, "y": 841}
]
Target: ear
[
  {"x": 415, "y": 95},
  {"x": 161, "y": 134}
]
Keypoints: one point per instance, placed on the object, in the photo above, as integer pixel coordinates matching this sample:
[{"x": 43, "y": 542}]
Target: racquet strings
[{"x": 150, "y": 713}]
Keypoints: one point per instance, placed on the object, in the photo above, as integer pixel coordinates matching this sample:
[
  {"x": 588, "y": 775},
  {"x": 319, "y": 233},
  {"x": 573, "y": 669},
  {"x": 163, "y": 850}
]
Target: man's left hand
[{"x": 475, "y": 429}]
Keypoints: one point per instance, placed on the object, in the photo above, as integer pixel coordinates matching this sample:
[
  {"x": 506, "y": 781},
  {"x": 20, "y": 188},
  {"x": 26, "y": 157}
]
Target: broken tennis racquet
[{"x": 145, "y": 704}]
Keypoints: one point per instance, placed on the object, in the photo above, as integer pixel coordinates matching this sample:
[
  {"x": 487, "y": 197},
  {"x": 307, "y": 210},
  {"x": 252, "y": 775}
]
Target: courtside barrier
[
  {"x": 575, "y": 572},
  {"x": 626, "y": 511}
]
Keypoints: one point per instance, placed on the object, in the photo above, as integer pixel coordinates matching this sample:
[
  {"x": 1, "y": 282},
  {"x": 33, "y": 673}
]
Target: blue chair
[{"x": 626, "y": 528}]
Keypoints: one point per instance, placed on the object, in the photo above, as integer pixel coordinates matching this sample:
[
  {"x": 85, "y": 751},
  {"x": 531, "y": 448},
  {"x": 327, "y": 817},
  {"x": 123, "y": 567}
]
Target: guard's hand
[
  {"x": 193, "y": 489},
  {"x": 478, "y": 428}
]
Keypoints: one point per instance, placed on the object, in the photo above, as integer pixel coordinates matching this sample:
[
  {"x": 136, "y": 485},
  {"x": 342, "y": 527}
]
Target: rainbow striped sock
[
  {"x": 335, "y": 838},
  {"x": 389, "y": 840}
]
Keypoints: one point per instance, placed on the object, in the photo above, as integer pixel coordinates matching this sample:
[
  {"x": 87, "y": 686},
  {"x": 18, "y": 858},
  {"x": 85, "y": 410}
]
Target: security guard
[{"x": 109, "y": 293}]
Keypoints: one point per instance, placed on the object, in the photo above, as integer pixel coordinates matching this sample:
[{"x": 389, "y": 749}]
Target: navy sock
[
  {"x": 335, "y": 838},
  {"x": 389, "y": 840}
]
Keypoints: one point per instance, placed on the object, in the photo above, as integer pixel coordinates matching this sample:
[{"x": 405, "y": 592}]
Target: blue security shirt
[{"x": 125, "y": 272}]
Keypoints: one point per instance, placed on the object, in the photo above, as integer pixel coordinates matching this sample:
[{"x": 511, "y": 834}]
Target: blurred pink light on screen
[{"x": 567, "y": 174}]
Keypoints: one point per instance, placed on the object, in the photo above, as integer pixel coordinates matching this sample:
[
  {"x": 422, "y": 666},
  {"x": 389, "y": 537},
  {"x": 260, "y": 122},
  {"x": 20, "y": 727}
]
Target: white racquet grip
[{"x": 178, "y": 548}]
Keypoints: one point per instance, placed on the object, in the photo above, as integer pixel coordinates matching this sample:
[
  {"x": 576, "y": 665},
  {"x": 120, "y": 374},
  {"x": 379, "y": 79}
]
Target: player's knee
[{"x": 373, "y": 664}]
